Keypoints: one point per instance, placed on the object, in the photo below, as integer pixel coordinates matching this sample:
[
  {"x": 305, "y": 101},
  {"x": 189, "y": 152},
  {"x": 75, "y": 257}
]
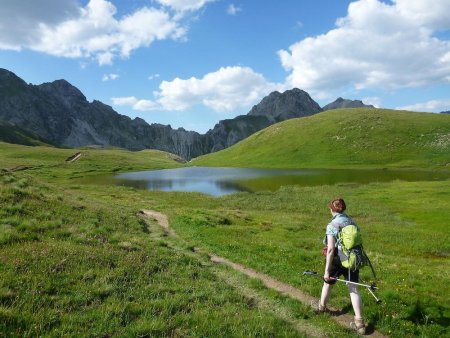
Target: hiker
[{"x": 334, "y": 268}]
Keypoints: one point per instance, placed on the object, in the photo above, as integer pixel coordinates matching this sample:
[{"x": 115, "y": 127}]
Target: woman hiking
[{"x": 334, "y": 268}]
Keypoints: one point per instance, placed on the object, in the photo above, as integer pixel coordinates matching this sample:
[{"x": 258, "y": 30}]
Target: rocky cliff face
[
  {"x": 59, "y": 112},
  {"x": 292, "y": 103},
  {"x": 344, "y": 103},
  {"x": 275, "y": 107}
]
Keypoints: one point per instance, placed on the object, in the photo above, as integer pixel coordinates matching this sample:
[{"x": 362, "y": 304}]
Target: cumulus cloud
[
  {"x": 377, "y": 45},
  {"x": 429, "y": 106},
  {"x": 373, "y": 100},
  {"x": 61, "y": 28},
  {"x": 184, "y": 5},
  {"x": 233, "y": 10},
  {"x": 225, "y": 90},
  {"x": 19, "y": 19},
  {"x": 124, "y": 101},
  {"x": 136, "y": 104}
]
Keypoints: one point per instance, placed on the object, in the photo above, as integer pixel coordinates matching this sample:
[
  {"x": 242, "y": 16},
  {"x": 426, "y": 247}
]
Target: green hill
[
  {"x": 344, "y": 138},
  {"x": 13, "y": 134}
]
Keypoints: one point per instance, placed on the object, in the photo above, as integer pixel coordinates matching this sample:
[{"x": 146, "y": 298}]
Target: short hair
[{"x": 337, "y": 205}]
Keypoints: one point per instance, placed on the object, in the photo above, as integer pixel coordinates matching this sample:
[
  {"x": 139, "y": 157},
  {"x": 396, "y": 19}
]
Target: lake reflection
[{"x": 222, "y": 181}]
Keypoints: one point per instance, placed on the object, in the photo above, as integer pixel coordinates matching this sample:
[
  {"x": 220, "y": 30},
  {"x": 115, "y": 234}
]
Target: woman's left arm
[{"x": 331, "y": 242}]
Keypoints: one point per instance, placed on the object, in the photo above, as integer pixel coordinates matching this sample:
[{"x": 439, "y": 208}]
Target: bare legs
[
  {"x": 354, "y": 297},
  {"x": 326, "y": 289},
  {"x": 356, "y": 300}
]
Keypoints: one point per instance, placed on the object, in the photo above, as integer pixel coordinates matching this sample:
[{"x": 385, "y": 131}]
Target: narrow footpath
[{"x": 271, "y": 283}]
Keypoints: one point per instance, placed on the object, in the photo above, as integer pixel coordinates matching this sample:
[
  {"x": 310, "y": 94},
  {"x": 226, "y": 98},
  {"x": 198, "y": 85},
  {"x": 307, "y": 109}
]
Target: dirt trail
[
  {"x": 269, "y": 282},
  {"x": 161, "y": 219}
]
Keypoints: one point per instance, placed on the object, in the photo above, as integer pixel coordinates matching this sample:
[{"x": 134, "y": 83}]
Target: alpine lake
[{"x": 222, "y": 181}]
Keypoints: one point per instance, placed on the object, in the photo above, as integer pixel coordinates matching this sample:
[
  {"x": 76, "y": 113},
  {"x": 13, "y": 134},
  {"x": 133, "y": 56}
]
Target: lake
[{"x": 222, "y": 181}]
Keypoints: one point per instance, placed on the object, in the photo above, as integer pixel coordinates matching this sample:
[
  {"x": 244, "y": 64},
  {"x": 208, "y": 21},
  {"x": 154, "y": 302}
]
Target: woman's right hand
[{"x": 327, "y": 278}]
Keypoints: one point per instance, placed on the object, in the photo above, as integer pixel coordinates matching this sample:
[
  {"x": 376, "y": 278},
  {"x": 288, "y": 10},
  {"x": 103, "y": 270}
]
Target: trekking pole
[{"x": 369, "y": 288}]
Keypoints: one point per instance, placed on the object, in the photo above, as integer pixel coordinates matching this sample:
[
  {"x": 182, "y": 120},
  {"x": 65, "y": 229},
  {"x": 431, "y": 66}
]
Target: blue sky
[{"x": 191, "y": 63}]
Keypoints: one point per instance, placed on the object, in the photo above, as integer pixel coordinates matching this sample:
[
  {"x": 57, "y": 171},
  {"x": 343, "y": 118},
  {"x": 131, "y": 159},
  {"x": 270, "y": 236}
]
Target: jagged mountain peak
[
  {"x": 62, "y": 88},
  {"x": 345, "y": 103},
  {"x": 10, "y": 83},
  {"x": 6, "y": 74},
  {"x": 282, "y": 106}
]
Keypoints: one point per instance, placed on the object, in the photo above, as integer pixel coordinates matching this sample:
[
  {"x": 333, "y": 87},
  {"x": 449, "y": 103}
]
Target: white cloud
[
  {"x": 429, "y": 106},
  {"x": 136, "y": 104},
  {"x": 226, "y": 90},
  {"x": 373, "y": 100},
  {"x": 92, "y": 31},
  {"x": 377, "y": 45},
  {"x": 124, "y": 101},
  {"x": 19, "y": 19},
  {"x": 110, "y": 77},
  {"x": 184, "y": 5},
  {"x": 233, "y": 10},
  {"x": 435, "y": 15},
  {"x": 145, "y": 105}
]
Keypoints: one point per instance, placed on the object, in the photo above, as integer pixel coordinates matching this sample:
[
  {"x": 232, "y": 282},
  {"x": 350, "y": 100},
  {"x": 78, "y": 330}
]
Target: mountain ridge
[
  {"x": 60, "y": 113},
  {"x": 344, "y": 103}
]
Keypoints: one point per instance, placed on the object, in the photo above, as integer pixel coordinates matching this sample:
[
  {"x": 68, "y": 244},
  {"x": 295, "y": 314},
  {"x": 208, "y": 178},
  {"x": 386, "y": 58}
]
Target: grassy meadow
[{"x": 77, "y": 260}]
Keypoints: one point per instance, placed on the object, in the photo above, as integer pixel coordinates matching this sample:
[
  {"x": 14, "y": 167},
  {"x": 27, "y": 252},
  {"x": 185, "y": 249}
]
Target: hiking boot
[
  {"x": 317, "y": 307},
  {"x": 358, "y": 325}
]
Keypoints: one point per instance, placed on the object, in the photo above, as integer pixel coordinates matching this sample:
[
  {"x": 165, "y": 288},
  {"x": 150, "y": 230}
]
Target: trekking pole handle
[{"x": 311, "y": 273}]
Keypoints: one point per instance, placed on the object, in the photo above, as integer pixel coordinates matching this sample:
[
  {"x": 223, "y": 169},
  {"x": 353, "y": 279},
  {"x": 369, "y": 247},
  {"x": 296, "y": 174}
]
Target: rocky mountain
[
  {"x": 60, "y": 114},
  {"x": 275, "y": 107},
  {"x": 344, "y": 103},
  {"x": 278, "y": 107}
]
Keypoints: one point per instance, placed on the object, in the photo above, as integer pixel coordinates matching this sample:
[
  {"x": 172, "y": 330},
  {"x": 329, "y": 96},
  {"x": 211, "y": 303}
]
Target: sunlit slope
[
  {"x": 14, "y": 134},
  {"x": 358, "y": 137},
  {"x": 90, "y": 162}
]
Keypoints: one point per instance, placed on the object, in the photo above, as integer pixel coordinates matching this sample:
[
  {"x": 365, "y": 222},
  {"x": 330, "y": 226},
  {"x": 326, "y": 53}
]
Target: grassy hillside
[
  {"x": 13, "y": 134},
  {"x": 77, "y": 260},
  {"x": 344, "y": 138},
  {"x": 45, "y": 161}
]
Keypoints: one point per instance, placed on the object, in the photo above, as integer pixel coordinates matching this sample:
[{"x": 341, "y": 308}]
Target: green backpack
[
  {"x": 353, "y": 255},
  {"x": 350, "y": 241}
]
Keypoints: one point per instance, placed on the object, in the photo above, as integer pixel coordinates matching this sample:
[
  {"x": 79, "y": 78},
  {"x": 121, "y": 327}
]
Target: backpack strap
[{"x": 370, "y": 264}]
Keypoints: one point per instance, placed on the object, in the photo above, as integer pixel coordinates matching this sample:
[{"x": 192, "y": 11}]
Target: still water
[{"x": 222, "y": 181}]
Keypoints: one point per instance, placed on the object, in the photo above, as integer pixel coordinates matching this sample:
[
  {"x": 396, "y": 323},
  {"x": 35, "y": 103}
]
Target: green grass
[
  {"x": 405, "y": 232},
  {"x": 76, "y": 265},
  {"x": 344, "y": 138},
  {"x": 51, "y": 162},
  {"x": 16, "y": 135},
  {"x": 76, "y": 260}
]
